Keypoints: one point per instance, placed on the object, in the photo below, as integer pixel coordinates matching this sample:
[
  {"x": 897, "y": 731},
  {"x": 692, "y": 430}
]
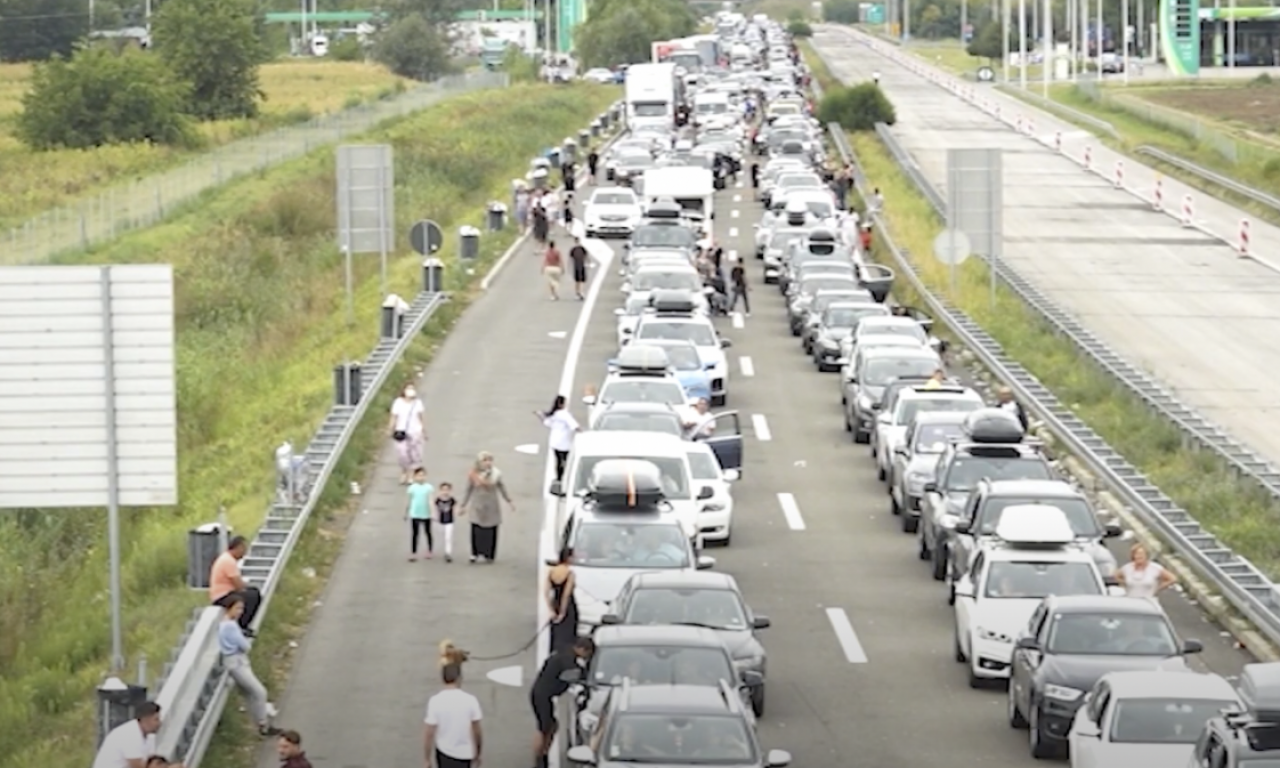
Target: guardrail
[
  {"x": 1256, "y": 195},
  {"x": 194, "y": 689},
  {"x": 1049, "y": 105},
  {"x": 1246, "y": 588}
]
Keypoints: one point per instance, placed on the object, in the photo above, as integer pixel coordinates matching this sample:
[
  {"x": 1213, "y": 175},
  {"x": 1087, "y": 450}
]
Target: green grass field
[{"x": 260, "y": 323}]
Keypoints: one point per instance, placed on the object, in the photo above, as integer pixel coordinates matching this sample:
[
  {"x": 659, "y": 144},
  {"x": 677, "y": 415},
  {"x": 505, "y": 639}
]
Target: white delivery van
[
  {"x": 692, "y": 188},
  {"x": 652, "y": 92}
]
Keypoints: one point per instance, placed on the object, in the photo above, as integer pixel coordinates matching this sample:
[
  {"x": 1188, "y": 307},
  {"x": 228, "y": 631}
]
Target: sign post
[
  {"x": 366, "y": 208},
  {"x": 975, "y": 202}
]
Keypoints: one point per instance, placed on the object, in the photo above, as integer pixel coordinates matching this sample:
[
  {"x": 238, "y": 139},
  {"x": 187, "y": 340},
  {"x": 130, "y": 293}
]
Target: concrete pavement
[
  {"x": 368, "y": 665},
  {"x": 1171, "y": 299}
]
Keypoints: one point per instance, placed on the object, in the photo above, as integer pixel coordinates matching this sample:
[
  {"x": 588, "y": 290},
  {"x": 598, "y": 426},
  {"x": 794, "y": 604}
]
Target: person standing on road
[
  {"x": 569, "y": 177},
  {"x": 485, "y": 492},
  {"x": 234, "y": 647},
  {"x": 563, "y": 427},
  {"x": 130, "y": 745},
  {"x": 579, "y": 256},
  {"x": 226, "y": 583},
  {"x": 522, "y": 209},
  {"x": 593, "y": 162},
  {"x": 418, "y": 513},
  {"x": 538, "y": 213},
  {"x": 1005, "y": 400},
  {"x": 738, "y": 282},
  {"x": 408, "y": 428},
  {"x": 453, "y": 737},
  {"x": 445, "y": 504},
  {"x": 703, "y": 423},
  {"x": 548, "y": 685},
  {"x": 562, "y": 602},
  {"x": 552, "y": 270},
  {"x": 864, "y": 239},
  {"x": 289, "y": 748},
  {"x": 1142, "y": 578}
]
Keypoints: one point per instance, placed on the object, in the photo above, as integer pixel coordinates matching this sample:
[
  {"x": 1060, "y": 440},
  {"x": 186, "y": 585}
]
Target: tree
[
  {"x": 437, "y": 13},
  {"x": 411, "y": 47},
  {"x": 799, "y": 28},
  {"x": 33, "y": 30},
  {"x": 213, "y": 45},
  {"x": 623, "y": 31},
  {"x": 856, "y": 108},
  {"x": 987, "y": 43},
  {"x": 841, "y": 11},
  {"x": 100, "y": 96}
]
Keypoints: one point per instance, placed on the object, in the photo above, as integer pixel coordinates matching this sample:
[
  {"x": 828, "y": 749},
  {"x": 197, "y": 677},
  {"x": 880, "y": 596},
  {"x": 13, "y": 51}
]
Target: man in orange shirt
[{"x": 225, "y": 582}]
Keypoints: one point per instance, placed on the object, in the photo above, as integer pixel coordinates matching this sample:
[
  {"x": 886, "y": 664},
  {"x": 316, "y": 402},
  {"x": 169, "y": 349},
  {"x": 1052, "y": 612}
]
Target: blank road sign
[
  {"x": 366, "y": 198},
  {"x": 87, "y": 363}
]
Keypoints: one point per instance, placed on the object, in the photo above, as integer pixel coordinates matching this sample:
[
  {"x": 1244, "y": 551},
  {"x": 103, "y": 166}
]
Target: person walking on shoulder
[
  {"x": 738, "y": 282},
  {"x": 552, "y": 270},
  {"x": 563, "y": 427},
  {"x": 453, "y": 737},
  {"x": 445, "y": 503},
  {"x": 418, "y": 513},
  {"x": 579, "y": 256},
  {"x": 485, "y": 492},
  {"x": 408, "y": 428},
  {"x": 289, "y": 748}
]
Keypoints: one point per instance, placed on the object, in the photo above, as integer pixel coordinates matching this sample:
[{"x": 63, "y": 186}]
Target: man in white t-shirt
[
  {"x": 130, "y": 744},
  {"x": 452, "y": 737}
]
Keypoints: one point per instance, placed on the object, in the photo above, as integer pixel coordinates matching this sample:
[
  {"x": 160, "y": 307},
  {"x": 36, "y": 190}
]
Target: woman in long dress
[{"x": 485, "y": 492}]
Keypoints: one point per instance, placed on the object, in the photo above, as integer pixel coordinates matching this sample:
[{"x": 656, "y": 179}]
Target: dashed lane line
[
  {"x": 761, "y": 426},
  {"x": 748, "y": 367},
  {"x": 847, "y": 638},
  {"x": 791, "y": 511}
]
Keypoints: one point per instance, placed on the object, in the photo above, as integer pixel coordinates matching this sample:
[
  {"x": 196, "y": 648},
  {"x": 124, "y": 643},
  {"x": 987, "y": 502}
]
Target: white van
[{"x": 691, "y": 187}]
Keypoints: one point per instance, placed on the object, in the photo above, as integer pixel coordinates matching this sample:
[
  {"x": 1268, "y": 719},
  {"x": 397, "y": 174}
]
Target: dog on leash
[{"x": 452, "y": 654}]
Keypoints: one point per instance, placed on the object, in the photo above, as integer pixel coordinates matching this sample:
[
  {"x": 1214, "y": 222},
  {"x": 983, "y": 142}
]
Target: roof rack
[
  {"x": 640, "y": 359},
  {"x": 1260, "y": 693},
  {"x": 673, "y": 302}
]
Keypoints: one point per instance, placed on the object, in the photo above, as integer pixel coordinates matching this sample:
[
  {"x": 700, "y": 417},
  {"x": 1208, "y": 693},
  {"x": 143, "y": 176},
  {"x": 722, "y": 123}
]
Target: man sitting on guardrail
[
  {"x": 131, "y": 744},
  {"x": 226, "y": 583}
]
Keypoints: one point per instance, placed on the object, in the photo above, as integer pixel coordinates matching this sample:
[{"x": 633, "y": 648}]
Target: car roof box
[
  {"x": 993, "y": 425},
  {"x": 625, "y": 485},
  {"x": 1260, "y": 691},
  {"x": 663, "y": 209},
  {"x": 672, "y": 301}
]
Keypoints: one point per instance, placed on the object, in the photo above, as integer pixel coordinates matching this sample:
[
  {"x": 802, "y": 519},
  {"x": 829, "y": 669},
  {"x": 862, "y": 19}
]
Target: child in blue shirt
[{"x": 418, "y": 512}]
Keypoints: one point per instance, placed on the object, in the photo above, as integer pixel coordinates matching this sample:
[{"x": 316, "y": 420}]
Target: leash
[{"x": 531, "y": 640}]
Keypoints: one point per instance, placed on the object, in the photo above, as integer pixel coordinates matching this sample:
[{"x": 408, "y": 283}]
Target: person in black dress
[
  {"x": 562, "y": 602},
  {"x": 547, "y": 687}
]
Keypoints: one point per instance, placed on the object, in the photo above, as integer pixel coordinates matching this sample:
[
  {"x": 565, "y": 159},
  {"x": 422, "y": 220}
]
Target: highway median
[{"x": 260, "y": 313}]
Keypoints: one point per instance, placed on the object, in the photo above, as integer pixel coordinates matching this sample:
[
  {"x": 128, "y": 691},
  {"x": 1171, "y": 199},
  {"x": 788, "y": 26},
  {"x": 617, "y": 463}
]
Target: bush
[
  {"x": 623, "y": 31},
  {"x": 100, "y": 97},
  {"x": 799, "y": 29},
  {"x": 841, "y": 11},
  {"x": 214, "y": 46},
  {"x": 412, "y": 48},
  {"x": 856, "y": 108},
  {"x": 987, "y": 43},
  {"x": 347, "y": 48},
  {"x": 258, "y": 279}
]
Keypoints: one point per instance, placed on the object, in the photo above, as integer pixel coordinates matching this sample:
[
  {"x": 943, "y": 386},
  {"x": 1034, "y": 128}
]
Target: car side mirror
[
  {"x": 1112, "y": 531},
  {"x": 571, "y": 676},
  {"x": 611, "y": 618},
  {"x": 752, "y": 679},
  {"x": 732, "y": 475},
  {"x": 706, "y": 492},
  {"x": 760, "y": 622},
  {"x": 589, "y": 400},
  {"x": 1110, "y": 581},
  {"x": 877, "y": 407},
  {"x": 626, "y": 288},
  {"x": 964, "y": 589},
  {"x": 964, "y": 526},
  {"x": 1087, "y": 729},
  {"x": 882, "y": 418},
  {"x": 930, "y": 487},
  {"x": 1192, "y": 646},
  {"x": 557, "y": 488},
  {"x": 706, "y": 563},
  {"x": 725, "y": 343},
  {"x": 581, "y": 755},
  {"x": 1028, "y": 643},
  {"x": 777, "y": 759},
  {"x": 901, "y": 451},
  {"x": 619, "y": 312}
]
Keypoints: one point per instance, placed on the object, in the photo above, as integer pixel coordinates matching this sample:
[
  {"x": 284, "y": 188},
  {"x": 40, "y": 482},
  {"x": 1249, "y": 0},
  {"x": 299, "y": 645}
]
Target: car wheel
[
  {"x": 951, "y": 589},
  {"x": 909, "y": 523},
  {"x": 1016, "y": 720},
  {"x": 894, "y": 506},
  {"x": 975, "y": 681},
  {"x": 860, "y": 437},
  {"x": 757, "y": 701},
  {"x": 880, "y": 473},
  {"x": 719, "y": 400},
  {"x": 847, "y": 426},
  {"x": 939, "y": 564},
  {"x": 1040, "y": 747},
  {"x": 923, "y": 551},
  {"x": 958, "y": 651}
]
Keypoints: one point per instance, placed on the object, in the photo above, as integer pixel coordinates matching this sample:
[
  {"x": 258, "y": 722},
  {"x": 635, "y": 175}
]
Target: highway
[
  {"x": 860, "y": 669},
  {"x": 1173, "y": 300}
]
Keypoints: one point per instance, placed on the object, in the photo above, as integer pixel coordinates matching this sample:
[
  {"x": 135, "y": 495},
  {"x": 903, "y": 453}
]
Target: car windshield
[
  {"x": 1163, "y": 721},
  {"x": 704, "y": 466},
  {"x": 966, "y": 471},
  {"x": 715, "y": 608},
  {"x": 1025, "y": 581},
  {"x": 621, "y": 545},
  {"x": 841, "y": 318},
  {"x": 634, "y": 161},
  {"x": 793, "y": 181},
  {"x": 663, "y": 236},
  {"x": 662, "y": 422},
  {"x": 643, "y": 391},
  {"x": 878, "y": 372},
  {"x": 640, "y": 109},
  {"x": 781, "y": 240},
  {"x": 679, "y": 740},
  {"x": 682, "y": 357},
  {"x": 1078, "y": 511},
  {"x": 659, "y": 279},
  {"x": 912, "y": 330},
  {"x": 933, "y": 438},
  {"x": 612, "y": 198},
  {"x": 701, "y": 335},
  {"x": 907, "y": 409},
  {"x": 819, "y": 208},
  {"x": 636, "y": 305},
  {"x": 712, "y": 107},
  {"x": 1111, "y": 634},
  {"x": 833, "y": 281}
]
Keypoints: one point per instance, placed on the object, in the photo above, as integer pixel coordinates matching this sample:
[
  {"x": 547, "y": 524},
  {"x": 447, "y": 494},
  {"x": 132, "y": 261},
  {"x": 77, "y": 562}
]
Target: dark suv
[{"x": 1250, "y": 736}]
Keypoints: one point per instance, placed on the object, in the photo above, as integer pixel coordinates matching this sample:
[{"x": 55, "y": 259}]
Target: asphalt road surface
[
  {"x": 860, "y": 667},
  {"x": 1171, "y": 299}
]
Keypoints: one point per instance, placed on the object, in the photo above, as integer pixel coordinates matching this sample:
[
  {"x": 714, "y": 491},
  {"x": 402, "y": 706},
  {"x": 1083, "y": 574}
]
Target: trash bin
[
  {"x": 539, "y": 178},
  {"x": 468, "y": 243},
  {"x": 393, "y": 309},
  {"x": 433, "y": 275},
  {"x": 569, "y": 151},
  {"x": 584, "y": 138},
  {"x": 603, "y": 119},
  {"x": 204, "y": 544},
  {"x": 553, "y": 157},
  {"x": 118, "y": 703},
  {"x": 497, "y": 217},
  {"x": 347, "y": 387},
  {"x": 595, "y": 127}
]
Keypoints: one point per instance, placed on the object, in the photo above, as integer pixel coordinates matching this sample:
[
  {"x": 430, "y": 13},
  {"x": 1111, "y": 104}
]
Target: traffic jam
[{"x": 1095, "y": 672}]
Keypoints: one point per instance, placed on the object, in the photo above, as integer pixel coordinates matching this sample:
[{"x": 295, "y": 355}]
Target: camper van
[
  {"x": 692, "y": 188},
  {"x": 653, "y": 91}
]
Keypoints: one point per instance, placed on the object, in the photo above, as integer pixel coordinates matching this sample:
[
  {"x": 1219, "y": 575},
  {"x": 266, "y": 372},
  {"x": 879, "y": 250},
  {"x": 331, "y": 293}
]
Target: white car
[
  {"x": 1149, "y": 718},
  {"x": 612, "y": 211},
  {"x": 628, "y": 315},
  {"x": 1037, "y": 556},
  {"x": 697, "y": 328},
  {"x": 891, "y": 428},
  {"x": 665, "y": 277},
  {"x": 715, "y": 516},
  {"x": 626, "y": 385},
  {"x": 599, "y": 75}
]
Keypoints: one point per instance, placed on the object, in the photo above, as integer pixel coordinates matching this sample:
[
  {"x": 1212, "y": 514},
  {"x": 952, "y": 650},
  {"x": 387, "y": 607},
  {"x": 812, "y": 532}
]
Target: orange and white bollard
[
  {"x": 1244, "y": 238},
  {"x": 1119, "y": 177},
  {"x": 1057, "y": 142},
  {"x": 1157, "y": 200},
  {"x": 1188, "y": 213},
  {"x": 1088, "y": 158}
]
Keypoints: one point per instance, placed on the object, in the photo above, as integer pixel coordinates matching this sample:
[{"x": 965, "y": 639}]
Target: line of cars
[{"x": 679, "y": 673}]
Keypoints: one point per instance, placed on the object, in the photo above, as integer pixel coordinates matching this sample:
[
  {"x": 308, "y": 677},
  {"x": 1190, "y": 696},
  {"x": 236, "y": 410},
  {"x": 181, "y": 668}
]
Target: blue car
[{"x": 687, "y": 366}]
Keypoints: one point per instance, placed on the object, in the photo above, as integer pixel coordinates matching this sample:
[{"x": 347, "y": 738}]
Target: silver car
[
  {"x": 915, "y": 462},
  {"x": 891, "y": 428}
]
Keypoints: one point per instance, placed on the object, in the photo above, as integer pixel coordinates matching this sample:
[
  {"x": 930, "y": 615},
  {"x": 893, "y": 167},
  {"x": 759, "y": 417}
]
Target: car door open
[{"x": 726, "y": 440}]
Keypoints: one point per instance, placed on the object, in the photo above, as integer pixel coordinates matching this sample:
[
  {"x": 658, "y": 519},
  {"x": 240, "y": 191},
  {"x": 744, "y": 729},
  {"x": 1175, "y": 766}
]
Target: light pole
[
  {"x": 1022, "y": 43},
  {"x": 1231, "y": 35},
  {"x": 1047, "y": 65},
  {"x": 1124, "y": 39},
  {"x": 1004, "y": 37}
]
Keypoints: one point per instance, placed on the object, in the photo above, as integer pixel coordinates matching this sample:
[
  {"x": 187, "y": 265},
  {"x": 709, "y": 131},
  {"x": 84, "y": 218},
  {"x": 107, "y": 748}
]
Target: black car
[{"x": 1073, "y": 641}]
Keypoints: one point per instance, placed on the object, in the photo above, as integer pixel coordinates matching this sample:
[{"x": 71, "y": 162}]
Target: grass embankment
[
  {"x": 261, "y": 321},
  {"x": 295, "y": 91},
  {"x": 1242, "y": 515}
]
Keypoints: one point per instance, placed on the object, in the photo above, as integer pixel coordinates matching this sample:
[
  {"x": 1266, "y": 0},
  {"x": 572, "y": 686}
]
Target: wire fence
[{"x": 146, "y": 201}]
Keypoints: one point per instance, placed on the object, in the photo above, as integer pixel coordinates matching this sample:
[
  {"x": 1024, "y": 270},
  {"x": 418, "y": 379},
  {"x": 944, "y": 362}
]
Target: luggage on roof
[
  {"x": 1260, "y": 692},
  {"x": 993, "y": 425},
  {"x": 673, "y": 301},
  {"x": 625, "y": 485}
]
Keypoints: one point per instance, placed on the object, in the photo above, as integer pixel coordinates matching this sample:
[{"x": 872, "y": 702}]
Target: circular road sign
[
  {"x": 426, "y": 237},
  {"x": 986, "y": 74},
  {"x": 952, "y": 246}
]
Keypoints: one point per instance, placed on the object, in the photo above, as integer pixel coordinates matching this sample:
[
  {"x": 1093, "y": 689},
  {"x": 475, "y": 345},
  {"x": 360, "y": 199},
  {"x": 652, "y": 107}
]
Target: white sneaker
[{"x": 272, "y": 712}]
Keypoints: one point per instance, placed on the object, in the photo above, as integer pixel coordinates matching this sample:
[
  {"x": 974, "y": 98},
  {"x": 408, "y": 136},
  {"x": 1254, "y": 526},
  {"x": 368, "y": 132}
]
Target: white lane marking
[
  {"x": 737, "y": 320},
  {"x": 791, "y": 511},
  {"x": 733, "y": 231},
  {"x": 761, "y": 427},
  {"x": 734, "y": 214},
  {"x": 748, "y": 367},
  {"x": 739, "y": 185},
  {"x": 557, "y": 334},
  {"x": 603, "y": 255},
  {"x": 509, "y": 676},
  {"x": 529, "y": 448},
  {"x": 737, "y": 198},
  {"x": 847, "y": 637},
  {"x": 733, "y": 255}
]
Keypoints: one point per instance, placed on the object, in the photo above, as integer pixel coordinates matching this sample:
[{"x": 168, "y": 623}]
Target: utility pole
[
  {"x": 964, "y": 21},
  {"x": 1049, "y": 48},
  {"x": 1022, "y": 43},
  {"x": 1124, "y": 39},
  {"x": 1005, "y": 11}
]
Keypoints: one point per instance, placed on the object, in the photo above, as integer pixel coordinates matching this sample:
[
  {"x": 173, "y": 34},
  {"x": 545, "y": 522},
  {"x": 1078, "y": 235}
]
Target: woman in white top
[
  {"x": 408, "y": 428},
  {"x": 1142, "y": 578},
  {"x": 563, "y": 427}
]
